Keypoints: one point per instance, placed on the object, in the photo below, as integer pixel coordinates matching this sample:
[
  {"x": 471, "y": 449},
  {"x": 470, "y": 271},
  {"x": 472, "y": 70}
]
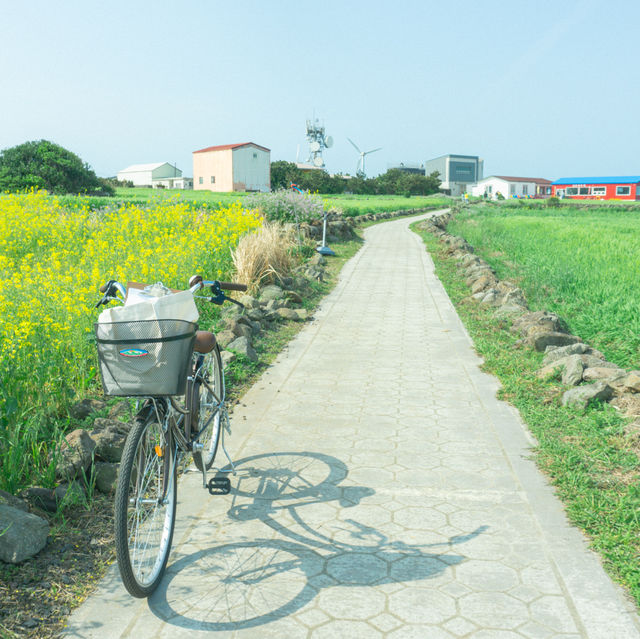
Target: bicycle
[{"x": 158, "y": 362}]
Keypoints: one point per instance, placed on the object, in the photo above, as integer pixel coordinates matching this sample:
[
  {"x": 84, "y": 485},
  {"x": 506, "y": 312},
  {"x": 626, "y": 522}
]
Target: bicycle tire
[
  {"x": 144, "y": 531},
  {"x": 210, "y": 407}
]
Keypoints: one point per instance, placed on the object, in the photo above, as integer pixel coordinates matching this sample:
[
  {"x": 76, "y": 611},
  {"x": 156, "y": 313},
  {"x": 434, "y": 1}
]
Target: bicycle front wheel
[
  {"x": 209, "y": 397},
  {"x": 145, "y": 505}
]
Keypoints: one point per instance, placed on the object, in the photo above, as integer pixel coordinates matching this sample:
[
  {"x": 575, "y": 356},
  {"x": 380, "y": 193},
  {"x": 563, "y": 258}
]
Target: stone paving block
[
  {"x": 351, "y": 629},
  {"x": 493, "y": 610},
  {"x": 552, "y": 611},
  {"x": 487, "y": 575},
  {"x": 422, "y": 606},
  {"x": 459, "y": 626},
  {"x": 420, "y": 632},
  {"x": 359, "y": 603}
]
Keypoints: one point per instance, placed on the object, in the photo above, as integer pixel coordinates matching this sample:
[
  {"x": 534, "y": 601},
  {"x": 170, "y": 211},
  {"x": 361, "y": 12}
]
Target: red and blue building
[{"x": 598, "y": 188}]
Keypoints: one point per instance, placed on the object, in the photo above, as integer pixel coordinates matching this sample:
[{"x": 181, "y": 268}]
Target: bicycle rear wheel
[
  {"x": 209, "y": 398},
  {"x": 145, "y": 504}
]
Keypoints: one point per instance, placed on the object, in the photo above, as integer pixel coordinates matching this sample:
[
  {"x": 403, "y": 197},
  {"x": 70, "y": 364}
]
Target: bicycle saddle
[{"x": 205, "y": 342}]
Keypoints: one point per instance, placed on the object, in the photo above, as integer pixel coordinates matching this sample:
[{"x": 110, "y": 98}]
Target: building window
[
  {"x": 623, "y": 190},
  {"x": 525, "y": 189},
  {"x": 571, "y": 190},
  {"x": 583, "y": 190},
  {"x": 213, "y": 179},
  {"x": 200, "y": 180},
  {"x": 599, "y": 190},
  {"x": 512, "y": 189},
  {"x": 255, "y": 155}
]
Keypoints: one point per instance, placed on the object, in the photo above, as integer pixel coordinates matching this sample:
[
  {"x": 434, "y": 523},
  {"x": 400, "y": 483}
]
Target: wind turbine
[{"x": 360, "y": 168}]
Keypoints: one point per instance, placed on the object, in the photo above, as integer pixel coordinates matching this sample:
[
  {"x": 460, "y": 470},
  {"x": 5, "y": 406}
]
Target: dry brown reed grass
[{"x": 264, "y": 256}]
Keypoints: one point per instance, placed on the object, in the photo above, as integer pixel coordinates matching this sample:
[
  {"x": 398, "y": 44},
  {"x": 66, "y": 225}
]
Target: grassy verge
[
  {"x": 582, "y": 263},
  {"x": 37, "y": 596},
  {"x": 587, "y": 456}
]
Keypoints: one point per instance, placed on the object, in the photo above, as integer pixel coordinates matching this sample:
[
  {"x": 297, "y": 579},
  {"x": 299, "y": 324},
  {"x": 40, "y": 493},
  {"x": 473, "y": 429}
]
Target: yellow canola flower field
[{"x": 53, "y": 258}]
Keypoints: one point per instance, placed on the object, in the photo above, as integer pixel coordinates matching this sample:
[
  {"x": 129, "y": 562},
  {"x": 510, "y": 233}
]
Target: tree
[
  {"x": 362, "y": 185},
  {"x": 44, "y": 165},
  {"x": 283, "y": 174},
  {"x": 319, "y": 181},
  {"x": 396, "y": 181},
  {"x": 387, "y": 183}
]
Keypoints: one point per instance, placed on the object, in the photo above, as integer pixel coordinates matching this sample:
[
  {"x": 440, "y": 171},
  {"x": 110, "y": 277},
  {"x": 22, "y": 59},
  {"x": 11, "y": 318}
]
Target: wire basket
[{"x": 150, "y": 357}]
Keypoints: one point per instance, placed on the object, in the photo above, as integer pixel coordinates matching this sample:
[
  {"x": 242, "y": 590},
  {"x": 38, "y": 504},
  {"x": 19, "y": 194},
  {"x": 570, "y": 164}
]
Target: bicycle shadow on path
[{"x": 252, "y": 582}]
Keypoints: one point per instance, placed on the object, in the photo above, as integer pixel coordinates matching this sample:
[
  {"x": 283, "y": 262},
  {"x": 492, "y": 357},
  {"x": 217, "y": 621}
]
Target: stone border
[{"x": 579, "y": 364}]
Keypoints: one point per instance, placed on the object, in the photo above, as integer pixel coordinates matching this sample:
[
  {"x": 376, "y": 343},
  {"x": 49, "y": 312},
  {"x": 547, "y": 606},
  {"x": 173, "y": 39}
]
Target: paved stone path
[{"x": 382, "y": 491}]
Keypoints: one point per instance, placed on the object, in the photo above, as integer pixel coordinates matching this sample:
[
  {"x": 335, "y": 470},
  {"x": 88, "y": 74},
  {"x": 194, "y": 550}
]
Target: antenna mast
[{"x": 318, "y": 141}]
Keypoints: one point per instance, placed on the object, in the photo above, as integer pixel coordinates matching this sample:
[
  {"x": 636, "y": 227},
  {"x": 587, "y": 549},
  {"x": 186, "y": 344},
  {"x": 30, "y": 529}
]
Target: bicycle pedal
[{"x": 219, "y": 486}]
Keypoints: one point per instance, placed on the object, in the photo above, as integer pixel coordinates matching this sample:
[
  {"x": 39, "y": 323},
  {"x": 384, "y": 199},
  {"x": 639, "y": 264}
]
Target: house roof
[
  {"x": 143, "y": 167},
  {"x": 510, "y": 178},
  {"x": 618, "y": 179},
  {"x": 225, "y": 147}
]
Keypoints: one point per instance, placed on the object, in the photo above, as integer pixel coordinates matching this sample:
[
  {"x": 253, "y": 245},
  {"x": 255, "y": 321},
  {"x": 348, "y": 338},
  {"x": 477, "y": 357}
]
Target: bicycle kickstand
[
  {"x": 220, "y": 484},
  {"x": 227, "y": 427}
]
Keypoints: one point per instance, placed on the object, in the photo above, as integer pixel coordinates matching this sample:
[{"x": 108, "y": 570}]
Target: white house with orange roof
[
  {"x": 232, "y": 167},
  {"x": 510, "y": 186}
]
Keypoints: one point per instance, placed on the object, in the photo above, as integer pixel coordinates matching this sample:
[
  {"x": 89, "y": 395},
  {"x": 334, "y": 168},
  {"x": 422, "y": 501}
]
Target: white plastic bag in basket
[{"x": 141, "y": 305}]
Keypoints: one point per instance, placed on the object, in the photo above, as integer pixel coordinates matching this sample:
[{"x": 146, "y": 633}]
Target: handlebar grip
[{"x": 232, "y": 286}]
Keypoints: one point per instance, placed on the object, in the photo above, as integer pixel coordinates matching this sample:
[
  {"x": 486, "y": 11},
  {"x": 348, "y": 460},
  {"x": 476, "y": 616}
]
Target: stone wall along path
[{"x": 382, "y": 491}]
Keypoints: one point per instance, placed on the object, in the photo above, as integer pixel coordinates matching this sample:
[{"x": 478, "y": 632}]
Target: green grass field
[
  {"x": 140, "y": 195},
  {"x": 364, "y": 204},
  {"x": 348, "y": 204},
  {"x": 583, "y": 264}
]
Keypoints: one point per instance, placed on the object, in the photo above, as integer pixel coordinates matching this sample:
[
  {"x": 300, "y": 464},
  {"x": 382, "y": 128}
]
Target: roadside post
[{"x": 324, "y": 249}]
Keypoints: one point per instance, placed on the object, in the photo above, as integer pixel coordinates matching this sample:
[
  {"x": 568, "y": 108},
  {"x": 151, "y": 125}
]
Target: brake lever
[
  {"x": 230, "y": 299},
  {"x": 104, "y": 301},
  {"x": 221, "y": 298}
]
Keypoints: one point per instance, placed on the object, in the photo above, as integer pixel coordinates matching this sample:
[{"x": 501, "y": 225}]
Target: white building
[
  {"x": 509, "y": 186},
  {"x": 148, "y": 174},
  {"x": 173, "y": 183},
  {"x": 232, "y": 167}
]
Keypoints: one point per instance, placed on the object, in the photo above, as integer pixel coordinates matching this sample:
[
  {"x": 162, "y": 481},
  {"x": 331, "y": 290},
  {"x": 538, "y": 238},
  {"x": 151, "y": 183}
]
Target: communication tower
[{"x": 318, "y": 141}]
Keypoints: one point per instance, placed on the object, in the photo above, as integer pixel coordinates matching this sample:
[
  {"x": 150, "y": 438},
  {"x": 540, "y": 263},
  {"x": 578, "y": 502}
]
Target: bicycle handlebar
[
  {"x": 232, "y": 286},
  {"x": 194, "y": 280}
]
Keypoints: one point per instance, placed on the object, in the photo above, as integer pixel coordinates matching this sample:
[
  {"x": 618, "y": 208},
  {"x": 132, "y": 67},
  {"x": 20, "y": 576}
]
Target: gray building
[{"x": 457, "y": 172}]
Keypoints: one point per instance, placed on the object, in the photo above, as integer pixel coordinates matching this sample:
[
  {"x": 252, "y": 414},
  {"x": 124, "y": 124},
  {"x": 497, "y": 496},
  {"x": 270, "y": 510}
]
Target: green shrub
[
  {"x": 45, "y": 165},
  {"x": 553, "y": 202}
]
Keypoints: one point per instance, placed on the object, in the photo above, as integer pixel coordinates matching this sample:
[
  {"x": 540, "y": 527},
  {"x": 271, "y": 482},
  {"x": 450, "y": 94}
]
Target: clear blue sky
[{"x": 546, "y": 89}]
